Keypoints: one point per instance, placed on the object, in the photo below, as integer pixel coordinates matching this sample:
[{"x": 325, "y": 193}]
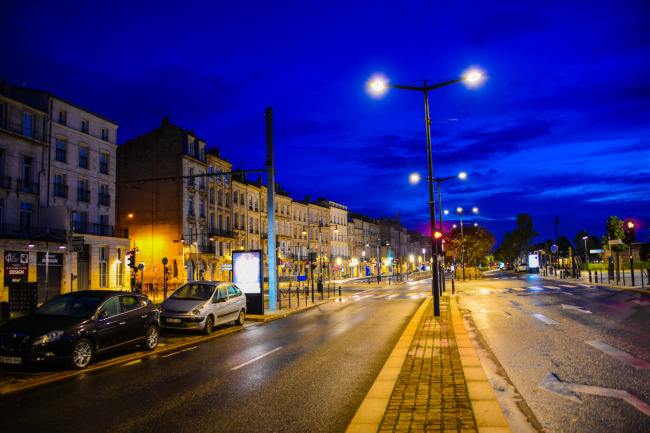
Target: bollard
[
  {"x": 339, "y": 292},
  {"x": 453, "y": 286},
  {"x": 623, "y": 277},
  {"x": 589, "y": 275}
]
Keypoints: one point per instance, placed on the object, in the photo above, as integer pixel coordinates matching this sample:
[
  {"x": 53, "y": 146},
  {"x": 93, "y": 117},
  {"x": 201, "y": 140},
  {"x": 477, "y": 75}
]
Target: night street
[
  {"x": 316, "y": 368},
  {"x": 581, "y": 334}
]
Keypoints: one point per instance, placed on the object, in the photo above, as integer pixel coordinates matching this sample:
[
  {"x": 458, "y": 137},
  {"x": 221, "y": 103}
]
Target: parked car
[
  {"x": 202, "y": 305},
  {"x": 76, "y": 326},
  {"x": 521, "y": 268}
]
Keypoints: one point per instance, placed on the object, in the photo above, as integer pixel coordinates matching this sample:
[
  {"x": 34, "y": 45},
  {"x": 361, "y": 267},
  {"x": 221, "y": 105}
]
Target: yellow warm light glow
[
  {"x": 414, "y": 178},
  {"x": 462, "y": 175},
  {"x": 473, "y": 77},
  {"x": 411, "y": 258},
  {"x": 338, "y": 261},
  {"x": 354, "y": 262},
  {"x": 377, "y": 85}
]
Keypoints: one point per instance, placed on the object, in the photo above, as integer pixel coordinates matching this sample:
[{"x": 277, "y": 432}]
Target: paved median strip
[{"x": 371, "y": 411}]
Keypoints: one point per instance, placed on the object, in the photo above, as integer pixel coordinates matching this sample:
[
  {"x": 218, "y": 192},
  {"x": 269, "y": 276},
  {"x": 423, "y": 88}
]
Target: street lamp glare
[
  {"x": 459, "y": 209},
  {"x": 585, "y": 237},
  {"x": 630, "y": 224},
  {"x": 377, "y": 85},
  {"x": 475, "y": 209},
  {"x": 453, "y": 226},
  {"x": 446, "y": 212},
  {"x": 414, "y": 178},
  {"x": 473, "y": 77},
  {"x": 462, "y": 175},
  {"x": 475, "y": 224}
]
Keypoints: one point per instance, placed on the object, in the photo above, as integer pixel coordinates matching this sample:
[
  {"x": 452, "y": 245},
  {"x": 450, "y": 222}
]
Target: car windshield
[
  {"x": 193, "y": 292},
  {"x": 71, "y": 306}
]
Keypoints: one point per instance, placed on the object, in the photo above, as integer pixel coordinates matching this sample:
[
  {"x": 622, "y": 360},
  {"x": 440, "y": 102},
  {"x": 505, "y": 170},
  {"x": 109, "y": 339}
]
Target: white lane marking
[
  {"x": 381, "y": 296},
  {"x": 641, "y": 302},
  {"x": 619, "y": 354},
  {"x": 391, "y": 296},
  {"x": 518, "y": 289},
  {"x": 257, "y": 358},
  {"x": 568, "y": 293},
  {"x": 552, "y": 287},
  {"x": 585, "y": 286},
  {"x": 545, "y": 319},
  {"x": 575, "y": 307},
  {"x": 567, "y": 286},
  {"x": 180, "y": 351},
  {"x": 568, "y": 390}
]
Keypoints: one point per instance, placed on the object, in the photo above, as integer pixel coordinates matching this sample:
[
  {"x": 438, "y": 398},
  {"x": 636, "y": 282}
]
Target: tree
[
  {"x": 516, "y": 242},
  {"x": 592, "y": 242},
  {"x": 563, "y": 246},
  {"x": 478, "y": 242},
  {"x": 614, "y": 230}
]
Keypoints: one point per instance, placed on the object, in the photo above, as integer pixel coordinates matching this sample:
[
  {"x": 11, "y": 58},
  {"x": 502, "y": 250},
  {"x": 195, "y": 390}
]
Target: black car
[{"x": 75, "y": 326}]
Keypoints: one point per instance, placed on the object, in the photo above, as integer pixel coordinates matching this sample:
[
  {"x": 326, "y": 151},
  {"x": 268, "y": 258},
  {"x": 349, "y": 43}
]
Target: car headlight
[
  {"x": 48, "y": 338},
  {"x": 196, "y": 311}
]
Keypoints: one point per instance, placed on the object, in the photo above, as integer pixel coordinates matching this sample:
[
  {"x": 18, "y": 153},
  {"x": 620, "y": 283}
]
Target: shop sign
[{"x": 16, "y": 267}]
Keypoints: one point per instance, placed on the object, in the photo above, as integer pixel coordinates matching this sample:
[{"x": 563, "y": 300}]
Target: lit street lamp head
[
  {"x": 475, "y": 209},
  {"x": 459, "y": 210},
  {"x": 414, "y": 178},
  {"x": 377, "y": 85},
  {"x": 473, "y": 77},
  {"x": 446, "y": 212},
  {"x": 462, "y": 175}
]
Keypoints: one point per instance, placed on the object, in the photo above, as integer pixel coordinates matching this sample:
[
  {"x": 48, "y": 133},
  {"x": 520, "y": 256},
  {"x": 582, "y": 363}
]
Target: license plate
[
  {"x": 11, "y": 360},
  {"x": 173, "y": 320}
]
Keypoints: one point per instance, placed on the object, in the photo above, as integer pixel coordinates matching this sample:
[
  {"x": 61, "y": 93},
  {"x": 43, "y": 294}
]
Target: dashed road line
[
  {"x": 180, "y": 351},
  {"x": 257, "y": 358},
  {"x": 619, "y": 354},
  {"x": 576, "y": 308},
  {"x": 545, "y": 319}
]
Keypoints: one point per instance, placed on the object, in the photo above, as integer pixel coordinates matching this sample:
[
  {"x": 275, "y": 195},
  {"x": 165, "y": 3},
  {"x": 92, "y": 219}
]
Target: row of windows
[
  {"x": 83, "y": 190},
  {"x": 84, "y": 126},
  {"x": 83, "y": 156}
]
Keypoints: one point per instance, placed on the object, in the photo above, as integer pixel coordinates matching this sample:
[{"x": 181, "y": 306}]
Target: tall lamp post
[
  {"x": 459, "y": 212},
  {"x": 414, "y": 178},
  {"x": 378, "y": 86},
  {"x": 584, "y": 238}
]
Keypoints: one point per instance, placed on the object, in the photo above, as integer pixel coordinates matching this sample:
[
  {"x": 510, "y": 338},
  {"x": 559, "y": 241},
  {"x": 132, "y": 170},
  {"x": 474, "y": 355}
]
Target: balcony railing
[
  {"x": 83, "y": 195},
  {"x": 222, "y": 233},
  {"x": 104, "y": 199},
  {"x": 100, "y": 230},
  {"x": 60, "y": 190},
  {"x": 5, "y": 182},
  {"x": 32, "y": 233},
  {"x": 28, "y": 187}
]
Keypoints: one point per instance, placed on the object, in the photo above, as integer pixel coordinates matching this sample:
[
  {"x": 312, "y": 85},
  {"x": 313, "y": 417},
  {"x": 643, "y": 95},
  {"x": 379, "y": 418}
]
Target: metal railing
[
  {"x": 32, "y": 232},
  {"x": 28, "y": 187},
  {"x": 100, "y": 230}
]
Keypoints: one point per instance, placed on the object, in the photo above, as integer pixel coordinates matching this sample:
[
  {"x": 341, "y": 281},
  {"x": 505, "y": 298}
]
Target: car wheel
[
  {"x": 82, "y": 353},
  {"x": 151, "y": 337},
  {"x": 209, "y": 325},
  {"x": 240, "y": 319}
]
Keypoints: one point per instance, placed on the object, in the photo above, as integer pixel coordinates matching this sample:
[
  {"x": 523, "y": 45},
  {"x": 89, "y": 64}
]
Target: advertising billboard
[
  {"x": 16, "y": 267},
  {"x": 247, "y": 271},
  {"x": 533, "y": 261}
]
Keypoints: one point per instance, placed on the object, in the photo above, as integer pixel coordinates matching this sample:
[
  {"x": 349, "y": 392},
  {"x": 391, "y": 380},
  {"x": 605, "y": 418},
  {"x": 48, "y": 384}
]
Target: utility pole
[{"x": 270, "y": 192}]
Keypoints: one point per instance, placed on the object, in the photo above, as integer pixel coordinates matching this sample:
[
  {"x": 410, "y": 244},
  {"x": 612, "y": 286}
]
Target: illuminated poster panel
[
  {"x": 247, "y": 271},
  {"x": 533, "y": 261}
]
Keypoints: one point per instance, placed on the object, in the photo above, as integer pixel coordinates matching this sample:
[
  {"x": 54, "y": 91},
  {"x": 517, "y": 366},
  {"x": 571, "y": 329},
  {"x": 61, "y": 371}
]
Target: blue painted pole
[{"x": 270, "y": 191}]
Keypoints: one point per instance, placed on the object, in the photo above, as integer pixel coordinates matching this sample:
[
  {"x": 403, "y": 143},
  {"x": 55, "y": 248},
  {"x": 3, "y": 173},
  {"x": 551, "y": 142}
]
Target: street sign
[
  {"x": 554, "y": 248},
  {"x": 165, "y": 261},
  {"x": 77, "y": 243},
  {"x": 615, "y": 242},
  {"x": 597, "y": 251},
  {"x": 226, "y": 267},
  {"x": 301, "y": 278}
]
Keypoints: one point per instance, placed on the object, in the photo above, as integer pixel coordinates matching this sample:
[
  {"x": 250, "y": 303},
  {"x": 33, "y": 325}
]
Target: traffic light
[
  {"x": 130, "y": 259},
  {"x": 629, "y": 232},
  {"x": 437, "y": 237}
]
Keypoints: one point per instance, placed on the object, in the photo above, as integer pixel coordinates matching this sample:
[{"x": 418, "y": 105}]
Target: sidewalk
[
  {"x": 584, "y": 279},
  {"x": 441, "y": 386}
]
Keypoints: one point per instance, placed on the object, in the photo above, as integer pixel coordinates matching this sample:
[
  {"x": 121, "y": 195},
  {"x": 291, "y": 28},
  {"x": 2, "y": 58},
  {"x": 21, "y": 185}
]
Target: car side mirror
[{"x": 102, "y": 314}]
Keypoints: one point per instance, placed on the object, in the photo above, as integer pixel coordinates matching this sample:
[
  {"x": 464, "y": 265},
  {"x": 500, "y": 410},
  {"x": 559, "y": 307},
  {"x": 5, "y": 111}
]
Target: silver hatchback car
[{"x": 202, "y": 305}]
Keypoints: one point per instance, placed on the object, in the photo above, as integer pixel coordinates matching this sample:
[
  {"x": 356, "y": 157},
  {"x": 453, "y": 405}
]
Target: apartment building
[{"x": 70, "y": 179}]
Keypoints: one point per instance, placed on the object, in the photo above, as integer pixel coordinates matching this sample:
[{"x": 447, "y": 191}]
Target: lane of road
[
  {"x": 566, "y": 347},
  {"x": 308, "y": 372}
]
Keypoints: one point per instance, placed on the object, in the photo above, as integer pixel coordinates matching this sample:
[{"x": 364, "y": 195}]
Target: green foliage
[
  {"x": 517, "y": 241},
  {"x": 478, "y": 242},
  {"x": 614, "y": 230}
]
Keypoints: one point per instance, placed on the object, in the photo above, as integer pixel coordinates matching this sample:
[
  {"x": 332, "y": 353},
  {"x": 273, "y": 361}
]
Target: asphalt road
[
  {"x": 580, "y": 335},
  {"x": 307, "y": 372}
]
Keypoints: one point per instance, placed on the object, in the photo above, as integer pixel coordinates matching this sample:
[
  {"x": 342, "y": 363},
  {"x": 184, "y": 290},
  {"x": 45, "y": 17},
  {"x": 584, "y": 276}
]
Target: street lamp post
[
  {"x": 459, "y": 212},
  {"x": 379, "y": 85},
  {"x": 584, "y": 238}
]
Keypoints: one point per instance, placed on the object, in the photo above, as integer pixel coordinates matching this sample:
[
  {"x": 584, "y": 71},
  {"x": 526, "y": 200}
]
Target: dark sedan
[{"x": 76, "y": 326}]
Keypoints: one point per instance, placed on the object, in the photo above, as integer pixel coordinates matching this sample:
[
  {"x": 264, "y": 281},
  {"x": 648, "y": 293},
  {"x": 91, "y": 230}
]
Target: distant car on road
[
  {"x": 521, "y": 268},
  {"x": 76, "y": 326},
  {"x": 202, "y": 305}
]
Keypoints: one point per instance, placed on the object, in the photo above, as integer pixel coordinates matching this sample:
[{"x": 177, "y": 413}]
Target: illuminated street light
[
  {"x": 414, "y": 178},
  {"x": 459, "y": 210},
  {"x": 475, "y": 224},
  {"x": 377, "y": 86},
  {"x": 462, "y": 175},
  {"x": 446, "y": 212},
  {"x": 475, "y": 209}
]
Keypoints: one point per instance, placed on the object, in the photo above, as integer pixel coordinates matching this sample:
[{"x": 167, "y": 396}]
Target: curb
[
  {"x": 272, "y": 317},
  {"x": 368, "y": 417},
  {"x": 65, "y": 375},
  {"x": 487, "y": 412},
  {"x": 608, "y": 286}
]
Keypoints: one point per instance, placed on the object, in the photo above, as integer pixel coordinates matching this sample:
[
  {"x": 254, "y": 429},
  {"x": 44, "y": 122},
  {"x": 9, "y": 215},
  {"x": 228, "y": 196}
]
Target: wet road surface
[
  {"x": 579, "y": 354},
  {"x": 308, "y": 372}
]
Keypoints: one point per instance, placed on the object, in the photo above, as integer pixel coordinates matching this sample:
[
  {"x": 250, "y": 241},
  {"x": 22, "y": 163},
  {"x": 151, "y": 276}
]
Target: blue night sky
[{"x": 560, "y": 128}]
